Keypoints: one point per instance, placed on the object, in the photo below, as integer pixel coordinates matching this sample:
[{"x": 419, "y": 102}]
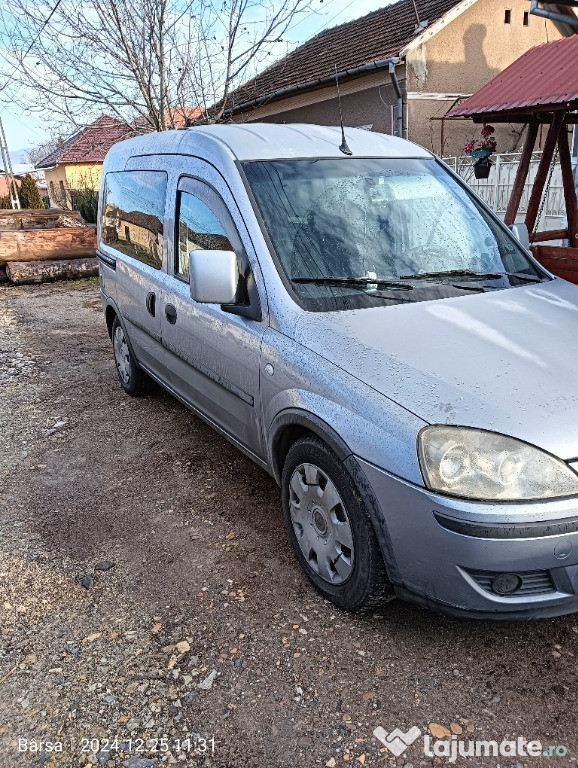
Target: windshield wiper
[
  {"x": 524, "y": 276},
  {"x": 470, "y": 273},
  {"x": 353, "y": 281},
  {"x": 452, "y": 273}
]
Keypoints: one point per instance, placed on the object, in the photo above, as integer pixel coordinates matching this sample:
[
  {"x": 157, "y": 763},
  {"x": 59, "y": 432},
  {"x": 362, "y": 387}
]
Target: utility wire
[
  {"x": 23, "y": 124},
  {"x": 34, "y": 41}
]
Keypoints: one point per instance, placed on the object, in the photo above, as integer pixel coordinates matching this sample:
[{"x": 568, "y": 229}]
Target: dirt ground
[{"x": 198, "y": 623}]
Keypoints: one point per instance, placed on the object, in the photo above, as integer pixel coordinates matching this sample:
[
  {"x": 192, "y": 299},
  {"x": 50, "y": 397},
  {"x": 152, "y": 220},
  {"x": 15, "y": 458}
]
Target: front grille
[{"x": 533, "y": 582}]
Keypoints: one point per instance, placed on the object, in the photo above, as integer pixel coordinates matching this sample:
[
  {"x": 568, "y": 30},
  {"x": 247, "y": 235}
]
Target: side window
[
  {"x": 134, "y": 207},
  {"x": 198, "y": 229}
]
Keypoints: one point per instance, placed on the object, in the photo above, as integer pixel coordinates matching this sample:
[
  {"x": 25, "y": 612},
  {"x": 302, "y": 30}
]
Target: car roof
[{"x": 268, "y": 141}]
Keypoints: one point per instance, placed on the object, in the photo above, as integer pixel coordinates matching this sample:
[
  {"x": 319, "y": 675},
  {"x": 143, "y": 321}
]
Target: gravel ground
[{"x": 194, "y": 621}]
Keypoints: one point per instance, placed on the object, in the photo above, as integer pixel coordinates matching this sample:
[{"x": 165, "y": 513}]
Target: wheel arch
[{"x": 292, "y": 424}]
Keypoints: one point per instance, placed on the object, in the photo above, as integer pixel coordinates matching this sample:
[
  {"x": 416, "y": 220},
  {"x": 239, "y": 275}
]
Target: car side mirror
[
  {"x": 520, "y": 232},
  {"x": 213, "y": 277}
]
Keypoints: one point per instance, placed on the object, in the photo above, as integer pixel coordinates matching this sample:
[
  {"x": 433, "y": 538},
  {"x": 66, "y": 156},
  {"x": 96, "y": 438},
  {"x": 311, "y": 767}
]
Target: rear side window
[
  {"x": 134, "y": 205},
  {"x": 199, "y": 229}
]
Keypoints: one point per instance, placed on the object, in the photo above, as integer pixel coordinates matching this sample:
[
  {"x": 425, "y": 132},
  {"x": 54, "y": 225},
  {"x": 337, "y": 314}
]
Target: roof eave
[
  {"x": 542, "y": 113},
  {"x": 313, "y": 84},
  {"x": 45, "y": 167}
]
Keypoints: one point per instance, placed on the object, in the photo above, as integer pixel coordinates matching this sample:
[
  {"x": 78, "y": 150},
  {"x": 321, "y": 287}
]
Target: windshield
[{"x": 354, "y": 232}]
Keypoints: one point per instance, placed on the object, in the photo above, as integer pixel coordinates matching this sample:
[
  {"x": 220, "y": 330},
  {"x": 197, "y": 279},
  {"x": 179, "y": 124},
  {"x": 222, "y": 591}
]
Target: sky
[{"x": 25, "y": 130}]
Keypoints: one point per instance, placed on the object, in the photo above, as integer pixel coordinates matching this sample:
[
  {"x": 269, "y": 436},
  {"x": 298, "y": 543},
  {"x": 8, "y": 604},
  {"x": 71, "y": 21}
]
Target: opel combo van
[{"x": 363, "y": 327}]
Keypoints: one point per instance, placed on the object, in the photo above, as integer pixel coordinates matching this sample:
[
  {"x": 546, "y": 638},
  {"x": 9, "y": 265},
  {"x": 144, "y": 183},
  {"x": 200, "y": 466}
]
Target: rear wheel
[
  {"x": 132, "y": 378},
  {"x": 330, "y": 528}
]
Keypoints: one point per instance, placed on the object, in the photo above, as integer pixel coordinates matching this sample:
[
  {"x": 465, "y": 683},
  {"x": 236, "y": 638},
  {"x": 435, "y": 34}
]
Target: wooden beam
[
  {"x": 551, "y": 234},
  {"x": 521, "y": 174},
  {"x": 515, "y": 117},
  {"x": 569, "y": 188},
  {"x": 543, "y": 169}
]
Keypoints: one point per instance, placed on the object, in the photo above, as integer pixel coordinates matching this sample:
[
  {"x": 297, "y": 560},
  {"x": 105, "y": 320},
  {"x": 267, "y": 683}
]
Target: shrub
[
  {"x": 85, "y": 201},
  {"x": 29, "y": 194}
]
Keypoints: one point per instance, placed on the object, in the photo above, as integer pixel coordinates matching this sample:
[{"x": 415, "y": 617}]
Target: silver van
[{"x": 363, "y": 327}]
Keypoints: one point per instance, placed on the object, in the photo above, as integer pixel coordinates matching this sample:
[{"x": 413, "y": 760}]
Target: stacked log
[
  {"x": 20, "y": 272},
  {"x": 40, "y": 244},
  {"x": 46, "y": 245},
  {"x": 43, "y": 218}
]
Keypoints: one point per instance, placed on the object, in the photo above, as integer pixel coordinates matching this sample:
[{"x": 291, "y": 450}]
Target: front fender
[{"x": 384, "y": 435}]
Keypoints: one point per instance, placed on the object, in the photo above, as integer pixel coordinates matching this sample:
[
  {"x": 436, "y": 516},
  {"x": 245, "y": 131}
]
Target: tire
[
  {"x": 132, "y": 378},
  {"x": 330, "y": 528}
]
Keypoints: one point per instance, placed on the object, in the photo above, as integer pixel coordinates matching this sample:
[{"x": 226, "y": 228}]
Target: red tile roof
[
  {"x": 545, "y": 77},
  {"x": 379, "y": 35},
  {"x": 175, "y": 117},
  {"x": 182, "y": 117},
  {"x": 89, "y": 145}
]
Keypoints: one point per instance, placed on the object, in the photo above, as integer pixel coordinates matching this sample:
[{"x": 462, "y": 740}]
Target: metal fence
[{"x": 496, "y": 189}]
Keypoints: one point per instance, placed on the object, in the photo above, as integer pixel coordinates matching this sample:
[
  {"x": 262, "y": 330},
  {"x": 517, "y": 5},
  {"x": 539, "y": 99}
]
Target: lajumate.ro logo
[{"x": 398, "y": 741}]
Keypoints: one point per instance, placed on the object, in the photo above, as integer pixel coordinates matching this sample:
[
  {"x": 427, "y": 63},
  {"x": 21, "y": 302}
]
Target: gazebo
[{"x": 539, "y": 88}]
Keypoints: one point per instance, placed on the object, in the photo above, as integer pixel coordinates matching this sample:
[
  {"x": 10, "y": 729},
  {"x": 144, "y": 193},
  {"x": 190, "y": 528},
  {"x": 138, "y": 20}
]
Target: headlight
[{"x": 475, "y": 464}]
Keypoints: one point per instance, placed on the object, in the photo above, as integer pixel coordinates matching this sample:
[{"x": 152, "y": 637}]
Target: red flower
[{"x": 487, "y": 130}]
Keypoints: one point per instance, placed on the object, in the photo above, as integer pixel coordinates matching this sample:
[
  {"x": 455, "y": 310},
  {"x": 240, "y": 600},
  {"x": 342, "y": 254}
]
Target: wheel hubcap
[
  {"x": 321, "y": 524},
  {"x": 122, "y": 355}
]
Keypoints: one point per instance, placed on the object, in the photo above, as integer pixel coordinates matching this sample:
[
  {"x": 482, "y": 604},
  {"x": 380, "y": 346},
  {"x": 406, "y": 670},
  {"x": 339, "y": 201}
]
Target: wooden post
[
  {"x": 521, "y": 174},
  {"x": 543, "y": 168},
  {"x": 569, "y": 188}
]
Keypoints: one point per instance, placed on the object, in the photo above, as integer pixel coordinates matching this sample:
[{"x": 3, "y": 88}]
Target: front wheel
[
  {"x": 132, "y": 378},
  {"x": 330, "y": 528}
]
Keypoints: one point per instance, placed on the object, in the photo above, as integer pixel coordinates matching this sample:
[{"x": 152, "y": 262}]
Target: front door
[{"x": 212, "y": 354}]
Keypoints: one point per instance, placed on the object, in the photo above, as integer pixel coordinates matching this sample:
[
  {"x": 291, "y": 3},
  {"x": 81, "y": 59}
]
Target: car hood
[{"x": 506, "y": 361}]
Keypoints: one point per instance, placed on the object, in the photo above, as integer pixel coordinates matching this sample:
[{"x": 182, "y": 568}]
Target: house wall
[
  {"x": 365, "y": 101},
  {"x": 133, "y": 233},
  {"x": 55, "y": 178},
  {"x": 370, "y": 108},
  {"x": 83, "y": 175},
  {"x": 4, "y": 190},
  {"x": 63, "y": 178},
  {"x": 459, "y": 59}
]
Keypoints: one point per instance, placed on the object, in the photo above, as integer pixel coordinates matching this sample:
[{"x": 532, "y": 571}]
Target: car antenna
[{"x": 344, "y": 146}]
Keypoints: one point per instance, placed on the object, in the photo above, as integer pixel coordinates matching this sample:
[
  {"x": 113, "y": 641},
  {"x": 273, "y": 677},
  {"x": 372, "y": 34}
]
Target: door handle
[
  {"x": 150, "y": 303},
  {"x": 171, "y": 314}
]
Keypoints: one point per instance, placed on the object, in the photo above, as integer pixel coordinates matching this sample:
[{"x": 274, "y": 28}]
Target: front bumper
[{"x": 445, "y": 553}]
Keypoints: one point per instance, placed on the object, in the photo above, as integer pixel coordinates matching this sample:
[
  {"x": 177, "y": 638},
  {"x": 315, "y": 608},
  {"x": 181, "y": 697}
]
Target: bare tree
[
  {"x": 144, "y": 62},
  {"x": 37, "y": 153}
]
